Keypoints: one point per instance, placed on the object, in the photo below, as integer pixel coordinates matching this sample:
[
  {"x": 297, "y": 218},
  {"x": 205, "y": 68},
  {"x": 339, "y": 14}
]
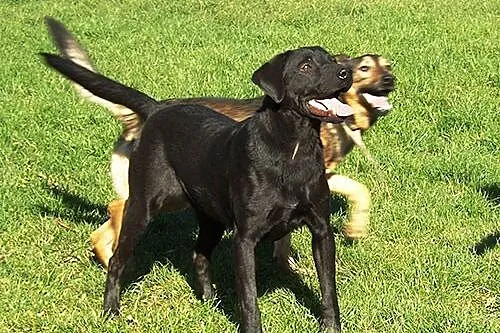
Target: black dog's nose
[{"x": 343, "y": 74}]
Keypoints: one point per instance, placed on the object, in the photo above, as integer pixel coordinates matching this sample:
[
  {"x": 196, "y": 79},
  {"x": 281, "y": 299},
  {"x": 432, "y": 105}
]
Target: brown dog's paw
[
  {"x": 102, "y": 240},
  {"x": 357, "y": 227}
]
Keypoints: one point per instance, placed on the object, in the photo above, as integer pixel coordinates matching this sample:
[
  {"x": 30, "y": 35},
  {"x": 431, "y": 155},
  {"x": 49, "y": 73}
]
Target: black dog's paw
[
  {"x": 208, "y": 293},
  {"x": 286, "y": 265},
  {"x": 110, "y": 313},
  {"x": 329, "y": 329},
  {"x": 111, "y": 306}
]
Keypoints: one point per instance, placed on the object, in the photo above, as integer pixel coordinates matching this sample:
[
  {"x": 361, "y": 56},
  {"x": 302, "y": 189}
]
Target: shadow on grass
[
  {"x": 492, "y": 193},
  {"x": 486, "y": 243},
  {"x": 76, "y": 208},
  {"x": 171, "y": 240}
]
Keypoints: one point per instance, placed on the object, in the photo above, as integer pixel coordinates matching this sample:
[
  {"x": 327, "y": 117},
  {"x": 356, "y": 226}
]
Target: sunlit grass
[{"x": 432, "y": 260}]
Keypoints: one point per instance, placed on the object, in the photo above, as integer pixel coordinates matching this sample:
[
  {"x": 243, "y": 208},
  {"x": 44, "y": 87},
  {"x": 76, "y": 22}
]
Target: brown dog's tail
[
  {"x": 71, "y": 49},
  {"x": 102, "y": 86},
  {"x": 67, "y": 44}
]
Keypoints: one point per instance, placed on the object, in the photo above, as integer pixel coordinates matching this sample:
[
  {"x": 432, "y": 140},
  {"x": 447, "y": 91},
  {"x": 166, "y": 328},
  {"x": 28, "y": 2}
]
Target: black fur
[{"x": 262, "y": 177}]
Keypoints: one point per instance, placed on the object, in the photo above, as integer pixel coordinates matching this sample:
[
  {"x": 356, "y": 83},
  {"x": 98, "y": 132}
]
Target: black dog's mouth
[{"x": 329, "y": 109}]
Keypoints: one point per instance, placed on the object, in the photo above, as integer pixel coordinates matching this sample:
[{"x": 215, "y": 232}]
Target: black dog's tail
[{"x": 103, "y": 87}]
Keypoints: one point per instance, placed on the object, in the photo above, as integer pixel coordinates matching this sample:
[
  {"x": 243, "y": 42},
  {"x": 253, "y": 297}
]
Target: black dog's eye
[
  {"x": 305, "y": 67},
  {"x": 388, "y": 67},
  {"x": 364, "y": 68}
]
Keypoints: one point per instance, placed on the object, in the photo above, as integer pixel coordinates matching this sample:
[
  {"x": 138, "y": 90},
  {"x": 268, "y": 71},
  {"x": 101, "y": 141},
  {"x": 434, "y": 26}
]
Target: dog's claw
[
  {"x": 110, "y": 313},
  {"x": 288, "y": 265},
  {"x": 292, "y": 264},
  {"x": 209, "y": 294}
]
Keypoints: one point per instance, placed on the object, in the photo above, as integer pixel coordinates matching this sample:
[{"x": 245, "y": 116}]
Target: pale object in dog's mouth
[
  {"x": 331, "y": 105},
  {"x": 354, "y": 135},
  {"x": 378, "y": 102},
  {"x": 358, "y": 141}
]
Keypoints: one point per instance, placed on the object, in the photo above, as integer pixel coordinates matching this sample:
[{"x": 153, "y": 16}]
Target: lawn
[{"x": 432, "y": 260}]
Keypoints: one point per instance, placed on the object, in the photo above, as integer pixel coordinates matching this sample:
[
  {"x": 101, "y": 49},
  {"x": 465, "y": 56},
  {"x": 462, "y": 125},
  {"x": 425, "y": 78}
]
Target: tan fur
[
  {"x": 119, "y": 168},
  {"x": 361, "y": 116},
  {"x": 359, "y": 200},
  {"x": 104, "y": 239}
]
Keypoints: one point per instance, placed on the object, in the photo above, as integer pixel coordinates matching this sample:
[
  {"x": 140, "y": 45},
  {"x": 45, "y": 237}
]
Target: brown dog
[{"x": 372, "y": 82}]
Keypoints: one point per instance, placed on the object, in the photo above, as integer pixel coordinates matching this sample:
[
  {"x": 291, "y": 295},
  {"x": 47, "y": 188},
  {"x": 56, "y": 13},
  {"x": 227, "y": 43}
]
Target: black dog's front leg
[
  {"x": 246, "y": 287},
  {"x": 323, "y": 246}
]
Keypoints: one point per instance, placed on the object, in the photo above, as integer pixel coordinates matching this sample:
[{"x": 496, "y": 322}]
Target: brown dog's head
[
  {"x": 308, "y": 81},
  {"x": 373, "y": 80}
]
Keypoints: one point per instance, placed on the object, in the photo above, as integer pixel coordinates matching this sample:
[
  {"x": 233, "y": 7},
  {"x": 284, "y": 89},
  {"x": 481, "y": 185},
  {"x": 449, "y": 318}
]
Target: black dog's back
[{"x": 192, "y": 138}]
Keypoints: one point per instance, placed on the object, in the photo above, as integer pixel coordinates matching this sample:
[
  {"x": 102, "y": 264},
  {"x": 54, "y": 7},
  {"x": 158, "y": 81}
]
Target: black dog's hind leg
[
  {"x": 323, "y": 246},
  {"x": 209, "y": 236},
  {"x": 135, "y": 221},
  {"x": 281, "y": 252}
]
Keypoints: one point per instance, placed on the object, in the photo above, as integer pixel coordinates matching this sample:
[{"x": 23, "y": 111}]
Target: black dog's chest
[
  {"x": 285, "y": 195},
  {"x": 299, "y": 175},
  {"x": 299, "y": 170},
  {"x": 287, "y": 216}
]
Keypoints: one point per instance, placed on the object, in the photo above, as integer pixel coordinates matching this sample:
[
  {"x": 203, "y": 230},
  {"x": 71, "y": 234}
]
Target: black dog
[{"x": 262, "y": 177}]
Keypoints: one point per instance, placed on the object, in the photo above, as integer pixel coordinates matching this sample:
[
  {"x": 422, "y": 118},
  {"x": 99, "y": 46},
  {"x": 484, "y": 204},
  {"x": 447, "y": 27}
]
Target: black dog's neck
[{"x": 293, "y": 128}]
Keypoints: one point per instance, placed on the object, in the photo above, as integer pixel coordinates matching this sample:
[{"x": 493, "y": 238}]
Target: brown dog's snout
[{"x": 388, "y": 79}]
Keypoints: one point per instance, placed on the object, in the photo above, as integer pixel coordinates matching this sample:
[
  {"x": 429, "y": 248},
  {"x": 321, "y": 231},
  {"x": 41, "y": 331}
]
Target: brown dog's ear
[
  {"x": 269, "y": 77},
  {"x": 342, "y": 58}
]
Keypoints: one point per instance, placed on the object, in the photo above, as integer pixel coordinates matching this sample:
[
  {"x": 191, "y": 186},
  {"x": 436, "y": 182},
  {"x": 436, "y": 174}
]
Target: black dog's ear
[
  {"x": 342, "y": 58},
  {"x": 269, "y": 77}
]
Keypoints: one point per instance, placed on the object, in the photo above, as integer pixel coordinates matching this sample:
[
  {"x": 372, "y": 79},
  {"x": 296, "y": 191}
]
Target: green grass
[{"x": 432, "y": 260}]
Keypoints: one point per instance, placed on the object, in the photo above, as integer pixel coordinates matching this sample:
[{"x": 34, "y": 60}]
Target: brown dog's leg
[
  {"x": 104, "y": 239},
  {"x": 359, "y": 200}
]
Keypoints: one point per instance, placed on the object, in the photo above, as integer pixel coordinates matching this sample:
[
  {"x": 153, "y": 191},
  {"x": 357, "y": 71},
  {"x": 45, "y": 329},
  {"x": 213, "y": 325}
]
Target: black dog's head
[{"x": 307, "y": 80}]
